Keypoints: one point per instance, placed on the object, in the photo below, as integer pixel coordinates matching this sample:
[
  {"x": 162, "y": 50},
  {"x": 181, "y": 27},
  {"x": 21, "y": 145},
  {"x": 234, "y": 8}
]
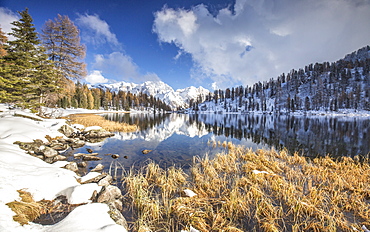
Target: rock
[
  {"x": 94, "y": 179},
  {"x": 98, "y": 134},
  {"x": 98, "y": 168},
  {"x": 49, "y": 160},
  {"x": 117, "y": 216},
  {"x": 47, "y": 151},
  {"x": 62, "y": 140},
  {"x": 146, "y": 151},
  {"x": 118, "y": 204},
  {"x": 115, "y": 156},
  {"x": 76, "y": 155},
  {"x": 109, "y": 193},
  {"x": 82, "y": 164},
  {"x": 105, "y": 181},
  {"x": 71, "y": 140},
  {"x": 59, "y": 158},
  {"x": 58, "y": 146},
  {"x": 72, "y": 166},
  {"x": 90, "y": 158},
  {"x": 66, "y": 130},
  {"x": 126, "y": 157},
  {"x": 89, "y": 150},
  {"x": 30, "y": 146},
  {"x": 78, "y": 143}
]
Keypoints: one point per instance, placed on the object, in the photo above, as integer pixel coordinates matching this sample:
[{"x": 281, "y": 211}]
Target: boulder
[
  {"x": 82, "y": 164},
  {"x": 98, "y": 168},
  {"x": 94, "y": 179},
  {"x": 48, "y": 152},
  {"x": 58, "y": 146},
  {"x": 109, "y": 194},
  {"x": 30, "y": 146},
  {"x": 105, "y": 181},
  {"x": 72, "y": 166},
  {"x": 78, "y": 143},
  {"x": 118, "y": 204},
  {"x": 117, "y": 216},
  {"x": 66, "y": 130},
  {"x": 59, "y": 158}
]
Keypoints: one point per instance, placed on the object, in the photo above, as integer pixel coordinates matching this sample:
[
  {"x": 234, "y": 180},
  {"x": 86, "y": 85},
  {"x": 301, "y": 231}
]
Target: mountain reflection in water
[{"x": 176, "y": 138}]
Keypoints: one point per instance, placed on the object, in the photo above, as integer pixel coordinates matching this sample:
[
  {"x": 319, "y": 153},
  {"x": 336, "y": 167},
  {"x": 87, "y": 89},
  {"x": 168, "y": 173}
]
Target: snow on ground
[{"x": 19, "y": 170}]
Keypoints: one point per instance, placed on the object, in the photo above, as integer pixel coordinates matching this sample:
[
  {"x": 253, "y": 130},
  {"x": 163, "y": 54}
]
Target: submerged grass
[
  {"x": 97, "y": 120},
  {"x": 244, "y": 190}
]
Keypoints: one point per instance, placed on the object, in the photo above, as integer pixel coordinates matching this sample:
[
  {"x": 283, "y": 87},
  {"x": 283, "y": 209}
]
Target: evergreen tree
[
  {"x": 27, "y": 72},
  {"x": 4, "y": 83}
]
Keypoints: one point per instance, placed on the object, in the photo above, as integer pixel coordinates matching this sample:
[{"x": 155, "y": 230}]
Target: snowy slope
[
  {"x": 158, "y": 89},
  {"x": 338, "y": 87},
  {"x": 19, "y": 170},
  {"x": 192, "y": 93}
]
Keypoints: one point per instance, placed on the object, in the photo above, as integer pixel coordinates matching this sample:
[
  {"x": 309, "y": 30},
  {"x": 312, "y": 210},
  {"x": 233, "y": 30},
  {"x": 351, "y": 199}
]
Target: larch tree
[
  {"x": 3, "y": 40},
  {"x": 61, "y": 39}
]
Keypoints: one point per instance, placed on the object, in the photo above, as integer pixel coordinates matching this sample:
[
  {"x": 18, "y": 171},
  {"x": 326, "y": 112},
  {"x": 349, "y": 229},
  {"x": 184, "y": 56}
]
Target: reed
[
  {"x": 242, "y": 190},
  {"x": 97, "y": 120}
]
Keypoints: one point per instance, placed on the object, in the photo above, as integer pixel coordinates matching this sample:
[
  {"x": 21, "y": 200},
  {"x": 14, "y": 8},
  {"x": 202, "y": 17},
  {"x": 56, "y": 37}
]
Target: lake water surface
[{"x": 176, "y": 138}]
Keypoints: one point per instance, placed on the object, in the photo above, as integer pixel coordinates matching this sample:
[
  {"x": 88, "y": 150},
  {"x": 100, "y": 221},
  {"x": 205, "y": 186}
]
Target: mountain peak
[{"x": 158, "y": 89}]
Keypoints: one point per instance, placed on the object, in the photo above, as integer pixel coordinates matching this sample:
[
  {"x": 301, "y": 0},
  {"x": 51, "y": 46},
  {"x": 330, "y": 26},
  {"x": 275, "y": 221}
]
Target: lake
[{"x": 174, "y": 139}]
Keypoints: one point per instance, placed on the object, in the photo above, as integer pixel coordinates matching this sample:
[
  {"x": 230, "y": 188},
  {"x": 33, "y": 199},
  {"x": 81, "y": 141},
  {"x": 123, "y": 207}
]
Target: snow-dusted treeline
[{"x": 344, "y": 84}]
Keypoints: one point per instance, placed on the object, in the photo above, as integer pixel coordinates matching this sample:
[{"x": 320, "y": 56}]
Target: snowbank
[{"x": 19, "y": 170}]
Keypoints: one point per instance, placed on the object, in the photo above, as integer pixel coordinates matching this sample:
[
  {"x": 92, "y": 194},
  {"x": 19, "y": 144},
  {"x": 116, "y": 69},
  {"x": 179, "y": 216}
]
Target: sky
[{"x": 209, "y": 43}]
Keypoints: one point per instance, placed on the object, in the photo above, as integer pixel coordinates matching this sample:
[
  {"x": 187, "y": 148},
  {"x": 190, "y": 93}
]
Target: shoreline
[{"x": 21, "y": 171}]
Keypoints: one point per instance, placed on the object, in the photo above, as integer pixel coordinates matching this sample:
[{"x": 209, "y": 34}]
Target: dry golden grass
[
  {"x": 27, "y": 209},
  {"x": 97, "y": 120},
  {"x": 244, "y": 190}
]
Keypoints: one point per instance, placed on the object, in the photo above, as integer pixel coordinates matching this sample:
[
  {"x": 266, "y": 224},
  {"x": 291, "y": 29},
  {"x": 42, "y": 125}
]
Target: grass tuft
[
  {"x": 242, "y": 190},
  {"x": 27, "y": 209},
  {"x": 97, "y": 120}
]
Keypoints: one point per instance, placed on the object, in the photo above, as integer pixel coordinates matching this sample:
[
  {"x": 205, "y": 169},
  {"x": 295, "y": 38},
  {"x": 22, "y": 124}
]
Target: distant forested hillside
[{"x": 344, "y": 84}]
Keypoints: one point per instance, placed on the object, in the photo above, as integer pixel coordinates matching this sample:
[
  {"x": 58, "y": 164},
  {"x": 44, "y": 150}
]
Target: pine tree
[
  {"x": 62, "y": 42},
  {"x": 4, "y": 83},
  {"x": 27, "y": 72}
]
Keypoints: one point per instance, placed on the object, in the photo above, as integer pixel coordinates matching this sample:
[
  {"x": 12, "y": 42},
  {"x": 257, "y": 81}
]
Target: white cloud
[
  {"x": 263, "y": 39},
  {"x": 119, "y": 66},
  {"x": 6, "y": 18},
  {"x": 96, "y": 30},
  {"x": 116, "y": 65},
  {"x": 96, "y": 77}
]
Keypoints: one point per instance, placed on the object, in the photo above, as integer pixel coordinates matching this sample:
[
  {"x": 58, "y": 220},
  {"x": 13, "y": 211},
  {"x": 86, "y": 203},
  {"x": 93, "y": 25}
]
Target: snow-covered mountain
[{"x": 175, "y": 99}]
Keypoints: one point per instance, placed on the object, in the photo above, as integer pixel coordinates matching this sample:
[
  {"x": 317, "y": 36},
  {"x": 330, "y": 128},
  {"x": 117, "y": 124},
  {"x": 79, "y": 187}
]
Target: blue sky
[{"x": 207, "y": 43}]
